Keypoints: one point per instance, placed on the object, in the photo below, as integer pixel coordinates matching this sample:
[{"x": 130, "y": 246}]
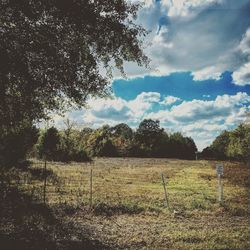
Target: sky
[{"x": 198, "y": 82}]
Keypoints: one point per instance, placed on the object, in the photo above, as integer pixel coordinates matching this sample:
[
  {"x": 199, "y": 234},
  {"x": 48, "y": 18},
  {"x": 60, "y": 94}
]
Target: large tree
[
  {"x": 150, "y": 138},
  {"x": 56, "y": 53}
]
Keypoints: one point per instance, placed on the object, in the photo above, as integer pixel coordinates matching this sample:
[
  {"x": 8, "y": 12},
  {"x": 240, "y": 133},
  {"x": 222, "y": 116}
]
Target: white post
[{"x": 219, "y": 170}]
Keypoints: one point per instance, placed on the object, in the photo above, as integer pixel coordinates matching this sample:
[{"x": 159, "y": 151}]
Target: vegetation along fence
[{"x": 149, "y": 184}]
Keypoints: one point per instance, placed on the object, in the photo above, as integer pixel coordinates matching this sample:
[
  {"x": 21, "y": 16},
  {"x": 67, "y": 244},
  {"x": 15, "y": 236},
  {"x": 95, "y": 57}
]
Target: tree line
[
  {"x": 148, "y": 140},
  {"x": 230, "y": 145}
]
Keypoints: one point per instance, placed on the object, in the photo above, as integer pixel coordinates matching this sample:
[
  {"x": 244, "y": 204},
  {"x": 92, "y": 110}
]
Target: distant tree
[
  {"x": 49, "y": 144},
  {"x": 233, "y": 145},
  {"x": 176, "y": 145},
  {"x": 220, "y": 144},
  {"x": 148, "y": 137},
  {"x": 181, "y": 147},
  {"x": 190, "y": 148},
  {"x": 100, "y": 144},
  {"x": 239, "y": 143},
  {"x": 121, "y": 136},
  {"x": 68, "y": 142},
  {"x": 122, "y": 130},
  {"x": 207, "y": 153}
]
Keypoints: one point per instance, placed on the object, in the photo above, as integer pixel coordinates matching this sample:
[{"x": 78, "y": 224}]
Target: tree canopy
[
  {"x": 233, "y": 145},
  {"x": 57, "y": 53},
  {"x": 53, "y": 52},
  {"x": 148, "y": 140}
]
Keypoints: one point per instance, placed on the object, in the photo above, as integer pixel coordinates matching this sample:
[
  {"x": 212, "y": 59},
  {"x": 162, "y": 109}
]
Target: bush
[{"x": 16, "y": 143}]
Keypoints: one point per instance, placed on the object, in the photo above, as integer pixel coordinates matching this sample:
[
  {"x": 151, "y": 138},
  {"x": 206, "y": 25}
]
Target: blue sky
[
  {"x": 179, "y": 84},
  {"x": 198, "y": 81}
]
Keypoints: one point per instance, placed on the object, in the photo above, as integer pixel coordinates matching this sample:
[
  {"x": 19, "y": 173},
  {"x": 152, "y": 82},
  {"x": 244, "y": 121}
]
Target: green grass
[{"x": 129, "y": 209}]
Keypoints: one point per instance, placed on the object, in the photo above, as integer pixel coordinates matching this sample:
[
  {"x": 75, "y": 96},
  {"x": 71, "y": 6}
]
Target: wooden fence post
[
  {"x": 45, "y": 181},
  {"x": 165, "y": 191},
  {"x": 91, "y": 187}
]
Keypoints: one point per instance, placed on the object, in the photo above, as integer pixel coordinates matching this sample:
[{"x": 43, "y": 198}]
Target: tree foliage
[
  {"x": 233, "y": 145},
  {"x": 54, "y": 54},
  {"x": 49, "y": 144},
  {"x": 15, "y": 143},
  {"x": 148, "y": 140},
  {"x": 52, "y": 146}
]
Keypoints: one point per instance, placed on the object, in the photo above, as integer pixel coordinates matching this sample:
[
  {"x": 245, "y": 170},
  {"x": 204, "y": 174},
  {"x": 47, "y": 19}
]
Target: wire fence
[{"x": 114, "y": 182}]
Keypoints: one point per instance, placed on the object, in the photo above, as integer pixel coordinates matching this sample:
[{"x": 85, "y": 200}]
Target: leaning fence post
[
  {"x": 45, "y": 181},
  {"x": 165, "y": 191}
]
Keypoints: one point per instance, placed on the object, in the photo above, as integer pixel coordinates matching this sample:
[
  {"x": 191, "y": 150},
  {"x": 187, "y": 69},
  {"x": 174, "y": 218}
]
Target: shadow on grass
[
  {"x": 110, "y": 210},
  {"x": 28, "y": 225}
]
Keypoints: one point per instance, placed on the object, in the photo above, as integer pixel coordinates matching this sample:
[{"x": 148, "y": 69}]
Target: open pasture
[{"x": 129, "y": 209}]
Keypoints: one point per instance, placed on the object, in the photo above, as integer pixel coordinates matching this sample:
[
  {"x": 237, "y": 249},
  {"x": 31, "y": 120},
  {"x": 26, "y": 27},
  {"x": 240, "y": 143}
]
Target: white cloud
[
  {"x": 242, "y": 75},
  {"x": 205, "y": 37},
  {"x": 168, "y": 100},
  {"x": 206, "y": 73},
  {"x": 244, "y": 45},
  {"x": 186, "y": 7},
  {"x": 143, "y": 102},
  {"x": 204, "y": 120},
  {"x": 200, "y": 110}
]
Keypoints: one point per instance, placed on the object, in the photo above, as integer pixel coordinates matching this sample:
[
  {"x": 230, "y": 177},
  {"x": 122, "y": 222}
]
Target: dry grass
[{"x": 129, "y": 210}]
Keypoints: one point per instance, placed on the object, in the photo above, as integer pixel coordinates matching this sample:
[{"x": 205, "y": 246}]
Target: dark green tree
[
  {"x": 100, "y": 144},
  {"x": 176, "y": 146},
  {"x": 49, "y": 144},
  {"x": 16, "y": 142},
  {"x": 239, "y": 143},
  {"x": 220, "y": 144},
  {"x": 148, "y": 138},
  {"x": 189, "y": 148},
  {"x": 53, "y": 52},
  {"x": 122, "y": 136},
  {"x": 122, "y": 130}
]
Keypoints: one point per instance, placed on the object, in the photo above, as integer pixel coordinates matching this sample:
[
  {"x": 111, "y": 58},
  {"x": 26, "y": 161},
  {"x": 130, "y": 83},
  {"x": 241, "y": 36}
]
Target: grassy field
[{"x": 129, "y": 209}]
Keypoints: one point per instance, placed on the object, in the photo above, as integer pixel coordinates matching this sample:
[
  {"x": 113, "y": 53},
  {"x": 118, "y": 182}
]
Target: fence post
[
  {"x": 219, "y": 170},
  {"x": 220, "y": 189},
  {"x": 165, "y": 191},
  {"x": 45, "y": 181},
  {"x": 91, "y": 186}
]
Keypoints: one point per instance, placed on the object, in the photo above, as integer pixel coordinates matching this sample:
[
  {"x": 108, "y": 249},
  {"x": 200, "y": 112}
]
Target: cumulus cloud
[
  {"x": 206, "y": 73},
  {"x": 242, "y": 75},
  {"x": 205, "y": 37},
  {"x": 204, "y": 120},
  {"x": 143, "y": 102},
  {"x": 201, "y": 110},
  {"x": 113, "y": 111},
  {"x": 168, "y": 100}
]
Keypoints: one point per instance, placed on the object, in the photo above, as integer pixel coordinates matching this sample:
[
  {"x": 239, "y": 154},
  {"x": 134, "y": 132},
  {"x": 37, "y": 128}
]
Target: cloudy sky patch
[{"x": 198, "y": 81}]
